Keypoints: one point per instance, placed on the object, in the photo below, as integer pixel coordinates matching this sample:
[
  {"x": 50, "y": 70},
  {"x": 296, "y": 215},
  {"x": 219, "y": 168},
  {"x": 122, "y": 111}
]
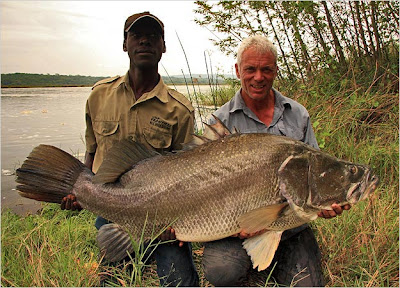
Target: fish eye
[{"x": 353, "y": 170}]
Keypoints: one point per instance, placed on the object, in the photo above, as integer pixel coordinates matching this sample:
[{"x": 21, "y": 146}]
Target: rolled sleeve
[
  {"x": 90, "y": 138},
  {"x": 185, "y": 131},
  {"x": 309, "y": 136}
]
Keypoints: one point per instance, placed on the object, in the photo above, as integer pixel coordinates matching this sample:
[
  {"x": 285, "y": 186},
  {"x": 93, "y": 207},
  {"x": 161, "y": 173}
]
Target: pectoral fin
[
  {"x": 259, "y": 219},
  {"x": 261, "y": 248},
  {"x": 114, "y": 242}
]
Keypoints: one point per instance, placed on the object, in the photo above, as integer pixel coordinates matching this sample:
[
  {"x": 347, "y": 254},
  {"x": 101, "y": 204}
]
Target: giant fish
[{"x": 218, "y": 185}]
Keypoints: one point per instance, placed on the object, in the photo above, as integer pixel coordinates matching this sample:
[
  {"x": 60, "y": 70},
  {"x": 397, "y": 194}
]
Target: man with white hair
[{"x": 259, "y": 108}]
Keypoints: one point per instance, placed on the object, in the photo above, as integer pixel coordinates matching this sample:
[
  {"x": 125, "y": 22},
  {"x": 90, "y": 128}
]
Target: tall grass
[{"x": 53, "y": 248}]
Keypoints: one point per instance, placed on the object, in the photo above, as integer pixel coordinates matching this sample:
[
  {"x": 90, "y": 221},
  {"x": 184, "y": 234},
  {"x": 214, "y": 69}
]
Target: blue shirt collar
[{"x": 280, "y": 101}]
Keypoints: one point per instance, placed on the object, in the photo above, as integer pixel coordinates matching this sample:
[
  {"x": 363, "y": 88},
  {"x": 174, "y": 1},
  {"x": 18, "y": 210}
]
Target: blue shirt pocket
[{"x": 289, "y": 131}]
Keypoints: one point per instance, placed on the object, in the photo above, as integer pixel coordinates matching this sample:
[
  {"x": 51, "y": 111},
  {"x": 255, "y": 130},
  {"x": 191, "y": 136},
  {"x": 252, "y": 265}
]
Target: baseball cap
[{"x": 138, "y": 16}]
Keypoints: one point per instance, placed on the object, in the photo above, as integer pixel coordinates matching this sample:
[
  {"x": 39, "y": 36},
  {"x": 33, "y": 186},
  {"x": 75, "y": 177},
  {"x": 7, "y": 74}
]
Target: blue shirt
[{"x": 290, "y": 119}]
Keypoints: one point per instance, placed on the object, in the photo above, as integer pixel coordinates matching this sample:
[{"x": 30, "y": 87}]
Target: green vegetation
[
  {"x": 219, "y": 94},
  {"x": 310, "y": 35},
  {"x": 23, "y": 80},
  {"x": 53, "y": 248}
]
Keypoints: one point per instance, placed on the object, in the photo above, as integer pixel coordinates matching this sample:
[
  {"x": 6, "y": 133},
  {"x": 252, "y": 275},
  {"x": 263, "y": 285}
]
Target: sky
[{"x": 85, "y": 38}]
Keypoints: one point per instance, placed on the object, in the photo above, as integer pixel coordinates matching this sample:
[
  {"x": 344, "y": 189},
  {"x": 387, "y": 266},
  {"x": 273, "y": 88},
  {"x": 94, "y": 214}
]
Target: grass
[
  {"x": 53, "y": 248},
  {"x": 359, "y": 248}
]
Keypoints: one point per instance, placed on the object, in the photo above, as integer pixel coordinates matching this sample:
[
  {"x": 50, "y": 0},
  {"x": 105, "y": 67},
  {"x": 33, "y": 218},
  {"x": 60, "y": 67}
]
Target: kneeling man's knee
[{"x": 225, "y": 262}]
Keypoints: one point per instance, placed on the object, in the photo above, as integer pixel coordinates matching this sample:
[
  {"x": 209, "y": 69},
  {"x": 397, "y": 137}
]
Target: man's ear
[
  {"x": 276, "y": 72},
  {"x": 165, "y": 47},
  {"x": 124, "y": 46},
  {"x": 237, "y": 71}
]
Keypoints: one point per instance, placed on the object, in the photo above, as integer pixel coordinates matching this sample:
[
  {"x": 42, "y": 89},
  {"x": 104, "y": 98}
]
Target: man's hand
[
  {"x": 168, "y": 235},
  {"x": 243, "y": 235},
  {"x": 69, "y": 203},
  {"x": 336, "y": 210}
]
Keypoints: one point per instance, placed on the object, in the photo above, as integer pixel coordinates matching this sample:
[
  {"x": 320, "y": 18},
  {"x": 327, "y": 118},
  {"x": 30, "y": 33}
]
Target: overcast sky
[{"x": 85, "y": 37}]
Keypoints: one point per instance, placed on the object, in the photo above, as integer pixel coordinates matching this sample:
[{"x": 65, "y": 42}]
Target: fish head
[
  {"x": 313, "y": 180},
  {"x": 332, "y": 180},
  {"x": 360, "y": 190}
]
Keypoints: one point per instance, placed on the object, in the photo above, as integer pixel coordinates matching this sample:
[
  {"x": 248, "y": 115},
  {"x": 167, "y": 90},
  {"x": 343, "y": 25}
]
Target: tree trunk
[
  {"x": 355, "y": 30},
  {"x": 375, "y": 29},
  {"x": 317, "y": 26},
  {"x": 338, "y": 48},
  {"x": 371, "y": 40},
  {"x": 360, "y": 28},
  {"x": 290, "y": 43},
  {"x": 279, "y": 43}
]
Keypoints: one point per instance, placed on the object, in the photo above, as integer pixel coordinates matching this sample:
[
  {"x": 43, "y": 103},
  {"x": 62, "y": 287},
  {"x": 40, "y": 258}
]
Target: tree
[{"x": 310, "y": 35}]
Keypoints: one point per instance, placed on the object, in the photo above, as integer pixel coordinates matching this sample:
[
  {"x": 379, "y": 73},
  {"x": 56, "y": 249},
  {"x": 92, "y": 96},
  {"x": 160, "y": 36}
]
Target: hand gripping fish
[{"x": 217, "y": 186}]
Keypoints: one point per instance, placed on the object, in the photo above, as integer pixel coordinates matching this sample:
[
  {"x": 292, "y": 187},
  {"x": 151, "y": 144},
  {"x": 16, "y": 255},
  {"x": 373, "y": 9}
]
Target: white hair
[{"x": 260, "y": 43}]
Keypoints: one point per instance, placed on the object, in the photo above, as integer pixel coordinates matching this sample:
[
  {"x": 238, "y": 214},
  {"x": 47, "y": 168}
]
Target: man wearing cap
[{"x": 141, "y": 106}]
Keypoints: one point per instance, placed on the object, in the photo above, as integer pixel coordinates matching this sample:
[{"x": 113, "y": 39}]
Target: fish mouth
[{"x": 360, "y": 191}]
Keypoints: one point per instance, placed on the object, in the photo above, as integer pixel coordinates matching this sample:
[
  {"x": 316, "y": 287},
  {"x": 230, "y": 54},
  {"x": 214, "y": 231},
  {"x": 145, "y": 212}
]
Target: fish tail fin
[
  {"x": 261, "y": 248},
  {"x": 48, "y": 174}
]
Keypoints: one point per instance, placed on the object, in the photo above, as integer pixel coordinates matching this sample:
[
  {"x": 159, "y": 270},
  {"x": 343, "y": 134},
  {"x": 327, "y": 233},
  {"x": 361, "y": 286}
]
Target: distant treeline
[
  {"x": 45, "y": 80},
  {"x": 21, "y": 80}
]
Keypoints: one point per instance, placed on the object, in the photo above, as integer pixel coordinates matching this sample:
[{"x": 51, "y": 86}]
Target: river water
[{"x": 54, "y": 116}]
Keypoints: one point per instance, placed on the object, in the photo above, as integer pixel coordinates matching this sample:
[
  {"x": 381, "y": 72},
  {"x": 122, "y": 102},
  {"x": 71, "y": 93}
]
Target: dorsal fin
[
  {"x": 221, "y": 129},
  {"x": 120, "y": 159},
  {"x": 211, "y": 132}
]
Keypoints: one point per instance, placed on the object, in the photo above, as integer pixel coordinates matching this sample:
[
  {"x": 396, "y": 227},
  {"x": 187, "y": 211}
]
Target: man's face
[
  {"x": 257, "y": 73},
  {"x": 144, "y": 44}
]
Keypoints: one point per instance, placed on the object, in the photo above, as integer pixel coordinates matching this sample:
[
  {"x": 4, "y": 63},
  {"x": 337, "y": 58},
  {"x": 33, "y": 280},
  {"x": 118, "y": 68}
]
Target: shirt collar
[
  {"x": 238, "y": 102},
  {"x": 160, "y": 90},
  {"x": 280, "y": 101}
]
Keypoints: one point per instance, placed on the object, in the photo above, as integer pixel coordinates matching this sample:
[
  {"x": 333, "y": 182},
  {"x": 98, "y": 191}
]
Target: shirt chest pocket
[
  {"x": 157, "y": 138},
  {"x": 105, "y": 128},
  {"x": 106, "y": 133},
  {"x": 290, "y": 131}
]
